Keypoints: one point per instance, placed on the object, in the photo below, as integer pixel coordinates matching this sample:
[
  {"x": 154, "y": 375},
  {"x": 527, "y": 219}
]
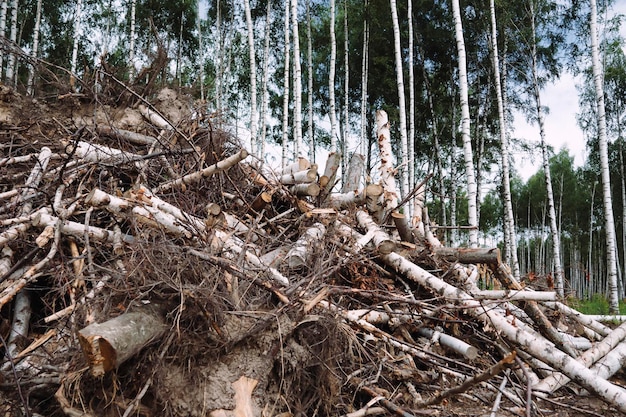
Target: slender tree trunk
[
  {"x": 200, "y": 53},
  {"x": 411, "y": 136},
  {"x": 346, "y": 91},
  {"x": 10, "y": 74},
  {"x": 77, "y": 17},
  {"x": 509, "y": 222},
  {"x": 131, "y": 46},
  {"x": 310, "y": 82},
  {"x": 179, "y": 52},
  {"x": 331, "y": 79},
  {"x": 623, "y": 181},
  {"x": 402, "y": 100},
  {"x": 253, "y": 89},
  {"x": 604, "y": 163},
  {"x": 465, "y": 128},
  {"x": 266, "y": 76},
  {"x": 3, "y": 28},
  {"x": 286, "y": 88},
  {"x": 364, "y": 78},
  {"x": 220, "y": 56},
  {"x": 297, "y": 81},
  {"x": 31, "y": 72}
]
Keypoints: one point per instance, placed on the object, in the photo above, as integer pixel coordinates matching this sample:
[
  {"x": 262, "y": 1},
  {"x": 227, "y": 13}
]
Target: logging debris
[{"x": 149, "y": 266}]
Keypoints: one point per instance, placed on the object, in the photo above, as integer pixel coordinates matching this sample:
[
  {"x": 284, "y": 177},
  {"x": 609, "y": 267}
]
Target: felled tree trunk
[
  {"x": 107, "y": 345},
  {"x": 536, "y": 346}
]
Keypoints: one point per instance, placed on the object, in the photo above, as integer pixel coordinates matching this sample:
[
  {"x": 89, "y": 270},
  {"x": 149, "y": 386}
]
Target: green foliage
[{"x": 596, "y": 305}]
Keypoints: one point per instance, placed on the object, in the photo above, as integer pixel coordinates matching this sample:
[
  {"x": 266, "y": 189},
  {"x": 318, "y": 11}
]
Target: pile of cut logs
[{"x": 75, "y": 210}]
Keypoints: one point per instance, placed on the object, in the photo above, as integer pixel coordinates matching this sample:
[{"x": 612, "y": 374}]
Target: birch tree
[
  {"x": 11, "y": 63},
  {"x": 77, "y": 17},
  {"x": 297, "y": 80},
  {"x": 253, "y": 89},
  {"x": 346, "y": 91},
  {"x": 364, "y": 80},
  {"x": 34, "y": 52},
  {"x": 266, "y": 75},
  {"x": 556, "y": 240},
  {"x": 509, "y": 223},
  {"x": 331, "y": 79},
  {"x": 310, "y": 82},
  {"x": 604, "y": 162},
  {"x": 465, "y": 127},
  {"x": 402, "y": 101},
  {"x": 286, "y": 88},
  {"x": 411, "y": 137},
  {"x": 3, "y": 28},
  {"x": 131, "y": 46}
]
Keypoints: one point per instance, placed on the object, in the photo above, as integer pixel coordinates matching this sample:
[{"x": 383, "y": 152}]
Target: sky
[{"x": 562, "y": 130}]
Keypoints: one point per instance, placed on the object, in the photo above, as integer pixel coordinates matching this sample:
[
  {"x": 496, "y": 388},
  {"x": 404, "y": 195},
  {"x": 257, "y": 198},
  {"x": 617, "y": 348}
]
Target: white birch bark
[
  {"x": 346, "y": 100},
  {"x": 310, "y": 82},
  {"x": 364, "y": 79},
  {"x": 297, "y": 81},
  {"x": 286, "y": 88},
  {"x": 266, "y": 76},
  {"x": 77, "y": 17},
  {"x": 465, "y": 127},
  {"x": 509, "y": 221},
  {"x": 300, "y": 253},
  {"x": 411, "y": 135},
  {"x": 33, "y": 54},
  {"x": 220, "y": 56},
  {"x": 253, "y": 88},
  {"x": 604, "y": 163},
  {"x": 3, "y": 28},
  {"x": 131, "y": 46},
  {"x": 11, "y": 63},
  {"x": 387, "y": 170},
  {"x": 331, "y": 80},
  {"x": 536, "y": 346},
  {"x": 556, "y": 239},
  {"x": 200, "y": 54},
  {"x": 599, "y": 350},
  {"x": 402, "y": 101}
]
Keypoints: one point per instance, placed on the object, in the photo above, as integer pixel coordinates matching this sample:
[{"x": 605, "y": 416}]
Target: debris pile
[{"x": 151, "y": 267}]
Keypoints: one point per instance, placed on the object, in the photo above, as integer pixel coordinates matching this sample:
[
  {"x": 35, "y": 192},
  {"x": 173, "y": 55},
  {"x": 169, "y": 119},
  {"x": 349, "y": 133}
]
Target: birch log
[
  {"x": 300, "y": 253},
  {"x": 459, "y": 346},
  {"x": 373, "y": 200},
  {"x": 91, "y": 152},
  {"x": 344, "y": 200},
  {"x": 300, "y": 177},
  {"x": 387, "y": 170},
  {"x": 107, "y": 345},
  {"x": 383, "y": 243},
  {"x": 305, "y": 190},
  {"x": 538, "y": 347},
  {"x": 588, "y": 323},
  {"x": 133, "y": 137},
  {"x": 599, "y": 350},
  {"x": 327, "y": 181},
  {"x": 43, "y": 219},
  {"x": 204, "y": 173},
  {"x": 300, "y": 164},
  {"x": 354, "y": 174},
  {"x": 235, "y": 245}
]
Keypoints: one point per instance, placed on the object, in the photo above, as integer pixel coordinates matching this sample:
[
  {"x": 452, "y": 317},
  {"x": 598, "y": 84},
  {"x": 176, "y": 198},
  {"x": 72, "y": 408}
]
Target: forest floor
[{"x": 230, "y": 339}]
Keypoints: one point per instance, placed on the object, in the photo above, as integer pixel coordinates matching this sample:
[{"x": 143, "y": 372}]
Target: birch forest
[{"x": 308, "y": 208}]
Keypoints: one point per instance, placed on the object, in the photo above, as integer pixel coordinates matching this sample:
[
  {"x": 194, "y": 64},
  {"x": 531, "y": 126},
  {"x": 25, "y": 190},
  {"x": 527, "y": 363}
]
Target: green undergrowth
[{"x": 596, "y": 305}]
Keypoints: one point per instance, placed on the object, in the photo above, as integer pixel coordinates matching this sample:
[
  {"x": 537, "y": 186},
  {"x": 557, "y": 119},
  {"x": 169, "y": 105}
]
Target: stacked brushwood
[{"x": 151, "y": 267}]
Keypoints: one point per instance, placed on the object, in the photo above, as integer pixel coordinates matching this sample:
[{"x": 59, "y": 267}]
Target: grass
[{"x": 597, "y": 305}]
